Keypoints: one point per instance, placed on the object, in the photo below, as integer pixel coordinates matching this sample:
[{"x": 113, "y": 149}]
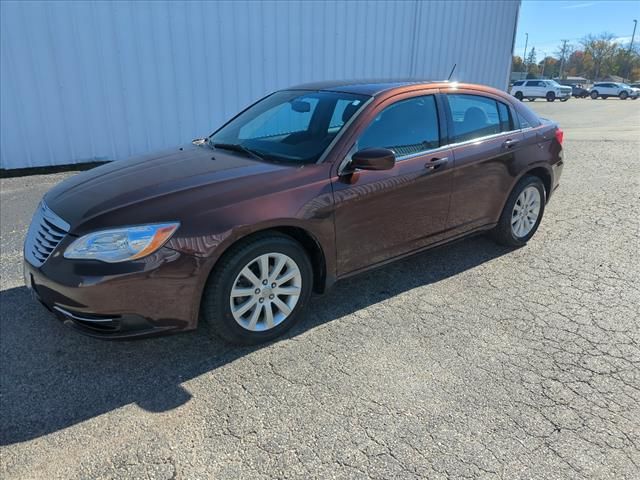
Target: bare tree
[{"x": 601, "y": 48}]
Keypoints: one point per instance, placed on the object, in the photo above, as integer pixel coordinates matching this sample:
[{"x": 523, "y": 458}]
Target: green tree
[
  {"x": 532, "y": 67},
  {"x": 517, "y": 64}
]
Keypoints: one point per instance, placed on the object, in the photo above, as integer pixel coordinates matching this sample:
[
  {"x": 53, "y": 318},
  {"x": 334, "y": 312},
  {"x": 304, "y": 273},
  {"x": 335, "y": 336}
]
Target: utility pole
[
  {"x": 633, "y": 36},
  {"x": 524, "y": 56},
  {"x": 544, "y": 64},
  {"x": 563, "y": 52}
]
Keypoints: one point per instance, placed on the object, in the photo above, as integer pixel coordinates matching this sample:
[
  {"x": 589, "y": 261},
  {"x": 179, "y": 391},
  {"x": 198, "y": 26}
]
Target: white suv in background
[
  {"x": 532, "y": 89},
  {"x": 610, "y": 89}
]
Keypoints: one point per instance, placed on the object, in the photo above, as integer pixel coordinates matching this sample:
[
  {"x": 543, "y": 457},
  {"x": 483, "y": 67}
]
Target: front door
[{"x": 383, "y": 214}]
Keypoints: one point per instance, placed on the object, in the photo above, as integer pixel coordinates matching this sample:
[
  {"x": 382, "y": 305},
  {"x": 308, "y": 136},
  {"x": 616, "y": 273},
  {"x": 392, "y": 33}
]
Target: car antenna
[{"x": 452, "y": 70}]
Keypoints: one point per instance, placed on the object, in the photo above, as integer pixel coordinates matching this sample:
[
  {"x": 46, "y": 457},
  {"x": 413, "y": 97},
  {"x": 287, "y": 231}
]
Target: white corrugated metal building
[{"x": 87, "y": 81}]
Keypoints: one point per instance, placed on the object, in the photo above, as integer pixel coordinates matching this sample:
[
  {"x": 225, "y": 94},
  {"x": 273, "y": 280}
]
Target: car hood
[{"x": 121, "y": 184}]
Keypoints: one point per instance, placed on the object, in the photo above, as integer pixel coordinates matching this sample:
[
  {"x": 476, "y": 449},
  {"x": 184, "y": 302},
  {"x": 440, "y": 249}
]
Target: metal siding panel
[{"x": 84, "y": 81}]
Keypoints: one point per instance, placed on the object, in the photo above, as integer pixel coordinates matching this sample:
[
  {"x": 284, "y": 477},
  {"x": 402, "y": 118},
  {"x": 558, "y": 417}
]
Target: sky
[{"x": 550, "y": 21}]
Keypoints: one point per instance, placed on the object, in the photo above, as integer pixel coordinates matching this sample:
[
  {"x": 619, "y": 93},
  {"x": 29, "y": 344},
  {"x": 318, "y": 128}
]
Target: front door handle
[
  {"x": 435, "y": 163},
  {"x": 510, "y": 143}
]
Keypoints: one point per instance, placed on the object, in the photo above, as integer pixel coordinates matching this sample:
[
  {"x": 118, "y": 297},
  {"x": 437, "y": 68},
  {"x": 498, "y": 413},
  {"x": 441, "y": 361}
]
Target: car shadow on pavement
[{"x": 52, "y": 377}]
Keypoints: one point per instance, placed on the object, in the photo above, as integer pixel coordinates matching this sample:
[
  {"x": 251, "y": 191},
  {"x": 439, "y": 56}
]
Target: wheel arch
[
  {"x": 543, "y": 174},
  {"x": 303, "y": 236}
]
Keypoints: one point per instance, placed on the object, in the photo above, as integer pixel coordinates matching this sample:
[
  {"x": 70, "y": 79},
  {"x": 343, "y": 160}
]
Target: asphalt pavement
[{"x": 469, "y": 361}]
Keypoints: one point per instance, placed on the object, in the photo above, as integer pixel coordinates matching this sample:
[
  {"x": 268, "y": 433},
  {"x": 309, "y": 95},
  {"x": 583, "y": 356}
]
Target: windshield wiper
[{"x": 236, "y": 147}]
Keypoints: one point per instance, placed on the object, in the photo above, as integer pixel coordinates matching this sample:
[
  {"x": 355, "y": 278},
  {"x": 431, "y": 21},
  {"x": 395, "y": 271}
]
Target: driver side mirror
[{"x": 373, "y": 159}]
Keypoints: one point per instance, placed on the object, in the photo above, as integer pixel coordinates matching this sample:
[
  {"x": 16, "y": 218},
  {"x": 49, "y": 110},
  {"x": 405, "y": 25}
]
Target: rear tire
[
  {"x": 551, "y": 96},
  {"x": 272, "y": 312},
  {"x": 593, "y": 95},
  {"x": 517, "y": 224}
]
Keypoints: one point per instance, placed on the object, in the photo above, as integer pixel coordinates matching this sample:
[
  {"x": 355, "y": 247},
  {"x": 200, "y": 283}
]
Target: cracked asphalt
[{"x": 469, "y": 361}]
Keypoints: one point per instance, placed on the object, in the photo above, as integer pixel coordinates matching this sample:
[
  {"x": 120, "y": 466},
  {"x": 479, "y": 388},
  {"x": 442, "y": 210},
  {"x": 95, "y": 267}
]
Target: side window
[
  {"x": 283, "y": 119},
  {"x": 473, "y": 116},
  {"x": 506, "y": 124},
  {"x": 517, "y": 84},
  {"x": 406, "y": 127}
]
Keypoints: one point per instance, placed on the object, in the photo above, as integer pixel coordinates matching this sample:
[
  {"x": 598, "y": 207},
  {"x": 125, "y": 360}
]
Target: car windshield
[
  {"x": 624, "y": 85},
  {"x": 289, "y": 126}
]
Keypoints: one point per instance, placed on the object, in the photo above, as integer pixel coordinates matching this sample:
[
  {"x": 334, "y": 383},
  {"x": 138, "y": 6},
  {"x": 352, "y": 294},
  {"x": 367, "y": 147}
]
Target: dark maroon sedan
[{"x": 307, "y": 186}]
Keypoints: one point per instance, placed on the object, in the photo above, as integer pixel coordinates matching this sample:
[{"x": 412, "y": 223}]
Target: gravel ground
[{"x": 468, "y": 361}]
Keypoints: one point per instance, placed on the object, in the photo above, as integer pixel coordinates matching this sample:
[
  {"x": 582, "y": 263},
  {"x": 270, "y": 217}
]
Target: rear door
[
  {"x": 534, "y": 89},
  {"x": 484, "y": 143},
  {"x": 607, "y": 89}
]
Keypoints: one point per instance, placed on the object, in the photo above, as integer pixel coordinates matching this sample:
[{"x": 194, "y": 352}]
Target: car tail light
[{"x": 559, "y": 135}]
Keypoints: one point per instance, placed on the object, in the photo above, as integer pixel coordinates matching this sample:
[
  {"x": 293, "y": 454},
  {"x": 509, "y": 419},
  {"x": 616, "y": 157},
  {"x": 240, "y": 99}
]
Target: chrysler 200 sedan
[{"x": 305, "y": 187}]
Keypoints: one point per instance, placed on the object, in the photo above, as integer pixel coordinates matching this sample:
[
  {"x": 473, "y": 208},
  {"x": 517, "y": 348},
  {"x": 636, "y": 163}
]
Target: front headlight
[{"x": 121, "y": 244}]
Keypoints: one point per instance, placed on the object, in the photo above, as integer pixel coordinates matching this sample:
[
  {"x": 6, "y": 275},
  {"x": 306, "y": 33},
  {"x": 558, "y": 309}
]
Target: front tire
[
  {"x": 623, "y": 95},
  {"x": 519, "y": 96},
  {"x": 258, "y": 290},
  {"x": 551, "y": 96},
  {"x": 522, "y": 213}
]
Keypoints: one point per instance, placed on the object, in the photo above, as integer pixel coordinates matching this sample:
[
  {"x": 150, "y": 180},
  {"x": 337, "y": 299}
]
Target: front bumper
[{"x": 151, "y": 296}]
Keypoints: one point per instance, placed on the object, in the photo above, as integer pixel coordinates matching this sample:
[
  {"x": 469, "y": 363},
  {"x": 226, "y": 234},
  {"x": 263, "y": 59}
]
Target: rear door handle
[
  {"x": 510, "y": 143},
  {"x": 436, "y": 162}
]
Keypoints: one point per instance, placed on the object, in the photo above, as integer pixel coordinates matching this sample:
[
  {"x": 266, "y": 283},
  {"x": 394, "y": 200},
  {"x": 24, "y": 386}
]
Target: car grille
[{"x": 45, "y": 233}]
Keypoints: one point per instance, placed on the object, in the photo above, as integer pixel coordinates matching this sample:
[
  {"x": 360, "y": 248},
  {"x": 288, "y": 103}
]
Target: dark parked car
[
  {"x": 579, "y": 91},
  {"x": 305, "y": 187}
]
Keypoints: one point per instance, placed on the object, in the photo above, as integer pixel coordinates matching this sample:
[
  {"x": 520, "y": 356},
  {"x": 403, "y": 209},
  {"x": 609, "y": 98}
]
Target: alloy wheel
[
  {"x": 265, "y": 292},
  {"x": 525, "y": 212}
]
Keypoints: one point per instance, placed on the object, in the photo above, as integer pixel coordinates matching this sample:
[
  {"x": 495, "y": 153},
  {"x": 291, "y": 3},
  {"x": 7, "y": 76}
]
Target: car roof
[
  {"x": 370, "y": 87},
  {"x": 376, "y": 87}
]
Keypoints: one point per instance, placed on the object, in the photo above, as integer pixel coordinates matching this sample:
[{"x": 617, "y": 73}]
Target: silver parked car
[{"x": 605, "y": 90}]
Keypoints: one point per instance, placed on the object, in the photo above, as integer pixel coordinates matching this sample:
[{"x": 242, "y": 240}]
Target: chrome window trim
[
  {"x": 486, "y": 137},
  {"x": 347, "y": 158},
  {"x": 421, "y": 153}
]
